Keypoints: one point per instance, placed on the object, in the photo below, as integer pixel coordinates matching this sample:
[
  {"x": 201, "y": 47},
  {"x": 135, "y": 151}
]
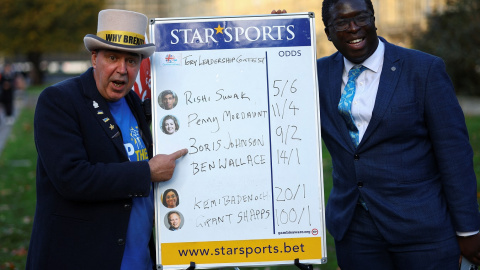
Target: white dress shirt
[{"x": 366, "y": 87}]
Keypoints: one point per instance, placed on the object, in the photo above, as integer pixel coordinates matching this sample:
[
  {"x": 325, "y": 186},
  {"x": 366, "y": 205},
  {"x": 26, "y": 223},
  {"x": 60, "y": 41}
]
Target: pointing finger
[{"x": 179, "y": 153}]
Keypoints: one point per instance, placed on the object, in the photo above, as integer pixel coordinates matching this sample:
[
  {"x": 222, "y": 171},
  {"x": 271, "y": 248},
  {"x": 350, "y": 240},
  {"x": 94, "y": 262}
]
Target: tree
[
  {"x": 35, "y": 27},
  {"x": 453, "y": 35}
]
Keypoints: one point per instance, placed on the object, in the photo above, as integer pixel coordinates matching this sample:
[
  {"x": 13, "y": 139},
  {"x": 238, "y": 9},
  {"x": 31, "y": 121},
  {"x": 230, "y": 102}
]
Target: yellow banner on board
[{"x": 264, "y": 250}]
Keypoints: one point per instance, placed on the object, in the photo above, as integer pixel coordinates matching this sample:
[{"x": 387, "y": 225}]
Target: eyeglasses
[{"x": 360, "y": 20}]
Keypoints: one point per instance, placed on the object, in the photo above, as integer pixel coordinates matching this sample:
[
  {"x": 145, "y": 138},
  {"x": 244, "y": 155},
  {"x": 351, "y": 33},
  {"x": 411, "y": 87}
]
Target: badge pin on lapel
[
  {"x": 112, "y": 127},
  {"x": 95, "y": 104},
  {"x": 106, "y": 119}
]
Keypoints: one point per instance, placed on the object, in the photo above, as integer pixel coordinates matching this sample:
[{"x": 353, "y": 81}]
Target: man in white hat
[{"x": 95, "y": 167}]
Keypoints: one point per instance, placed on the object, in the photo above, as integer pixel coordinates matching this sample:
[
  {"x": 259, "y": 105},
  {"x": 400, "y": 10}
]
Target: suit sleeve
[
  {"x": 77, "y": 157},
  {"x": 454, "y": 155}
]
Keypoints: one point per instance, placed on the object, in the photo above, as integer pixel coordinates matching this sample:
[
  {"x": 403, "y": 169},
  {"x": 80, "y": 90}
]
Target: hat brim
[{"x": 93, "y": 42}]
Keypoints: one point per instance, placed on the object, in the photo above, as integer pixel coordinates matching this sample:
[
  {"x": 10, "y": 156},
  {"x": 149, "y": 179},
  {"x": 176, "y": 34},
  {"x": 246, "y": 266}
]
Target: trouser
[
  {"x": 363, "y": 247},
  {"x": 7, "y": 100}
]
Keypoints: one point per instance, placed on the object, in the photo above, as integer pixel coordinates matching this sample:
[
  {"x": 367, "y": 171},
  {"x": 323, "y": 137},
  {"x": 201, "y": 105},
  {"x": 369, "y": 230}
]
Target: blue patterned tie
[{"x": 345, "y": 105}]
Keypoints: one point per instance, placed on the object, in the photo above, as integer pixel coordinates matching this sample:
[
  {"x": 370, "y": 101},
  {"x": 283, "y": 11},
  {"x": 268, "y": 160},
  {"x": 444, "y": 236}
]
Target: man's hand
[
  {"x": 162, "y": 166},
  {"x": 278, "y": 11},
  {"x": 470, "y": 248}
]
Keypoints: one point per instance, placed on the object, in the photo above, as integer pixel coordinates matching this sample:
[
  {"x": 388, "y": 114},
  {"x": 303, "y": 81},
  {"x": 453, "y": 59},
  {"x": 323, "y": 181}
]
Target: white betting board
[{"x": 240, "y": 93}]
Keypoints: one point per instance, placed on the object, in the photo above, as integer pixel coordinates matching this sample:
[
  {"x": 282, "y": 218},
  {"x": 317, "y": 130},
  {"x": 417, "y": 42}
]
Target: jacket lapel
[
  {"x": 392, "y": 68},
  {"x": 336, "y": 71},
  {"x": 99, "y": 108}
]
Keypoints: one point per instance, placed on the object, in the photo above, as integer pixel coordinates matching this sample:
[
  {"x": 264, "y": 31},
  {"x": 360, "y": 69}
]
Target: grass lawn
[
  {"x": 17, "y": 190},
  {"x": 473, "y": 124}
]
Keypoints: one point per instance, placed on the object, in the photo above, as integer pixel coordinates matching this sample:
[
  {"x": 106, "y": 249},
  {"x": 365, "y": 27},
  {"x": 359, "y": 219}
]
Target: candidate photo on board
[
  {"x": 170, "y": 198},
  {"x": 174, "y": 220},
  {"x": 170, "y": 125},
  {"x": 167, "y": 99}
]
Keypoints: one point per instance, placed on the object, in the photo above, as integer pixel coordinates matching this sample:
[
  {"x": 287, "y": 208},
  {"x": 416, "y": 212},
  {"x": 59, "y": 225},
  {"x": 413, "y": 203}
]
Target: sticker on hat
[{"x": 120, "y": 30}]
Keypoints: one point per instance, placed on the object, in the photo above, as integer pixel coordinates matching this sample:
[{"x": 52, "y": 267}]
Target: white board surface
[{"x": 250, "y": 191}]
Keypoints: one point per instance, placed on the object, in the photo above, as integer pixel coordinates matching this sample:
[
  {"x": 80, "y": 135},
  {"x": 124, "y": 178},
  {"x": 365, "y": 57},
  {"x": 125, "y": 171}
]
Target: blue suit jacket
[
  {"x": 414, "y": 165},
  {"x": 85, "y": 182}
]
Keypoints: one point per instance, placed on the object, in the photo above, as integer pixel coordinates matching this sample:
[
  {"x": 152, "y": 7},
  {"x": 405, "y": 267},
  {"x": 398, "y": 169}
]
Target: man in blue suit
[{"x": 404, "y": 189}]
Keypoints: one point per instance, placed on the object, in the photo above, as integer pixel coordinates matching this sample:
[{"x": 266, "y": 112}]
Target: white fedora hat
[{"x": 120, "y": 30}]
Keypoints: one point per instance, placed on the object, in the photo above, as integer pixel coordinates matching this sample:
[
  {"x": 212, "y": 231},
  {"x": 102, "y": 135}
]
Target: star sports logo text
[{"x": 232, "y": 34}]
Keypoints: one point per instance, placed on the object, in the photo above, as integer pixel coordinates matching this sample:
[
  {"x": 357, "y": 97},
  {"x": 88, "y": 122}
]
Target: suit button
[
  {"x": 356, "y": 157},
  {"x": 360, "y": 184},
  {"x": 120, "y": 242}
]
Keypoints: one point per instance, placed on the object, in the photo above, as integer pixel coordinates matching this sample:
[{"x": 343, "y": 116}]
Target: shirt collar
[{"x": 373, "y": 63}]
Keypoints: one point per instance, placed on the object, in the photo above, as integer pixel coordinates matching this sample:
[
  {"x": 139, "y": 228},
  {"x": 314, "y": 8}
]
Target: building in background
[{"x": 395, "y": 19}]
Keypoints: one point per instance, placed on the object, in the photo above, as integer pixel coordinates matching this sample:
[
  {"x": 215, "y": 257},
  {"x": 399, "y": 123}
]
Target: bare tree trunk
[{"x": 36, "y": 74}]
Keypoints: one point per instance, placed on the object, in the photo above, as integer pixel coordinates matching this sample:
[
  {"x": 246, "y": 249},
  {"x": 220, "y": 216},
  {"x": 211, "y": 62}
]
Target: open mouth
[{"x": 118, "y": 83}]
